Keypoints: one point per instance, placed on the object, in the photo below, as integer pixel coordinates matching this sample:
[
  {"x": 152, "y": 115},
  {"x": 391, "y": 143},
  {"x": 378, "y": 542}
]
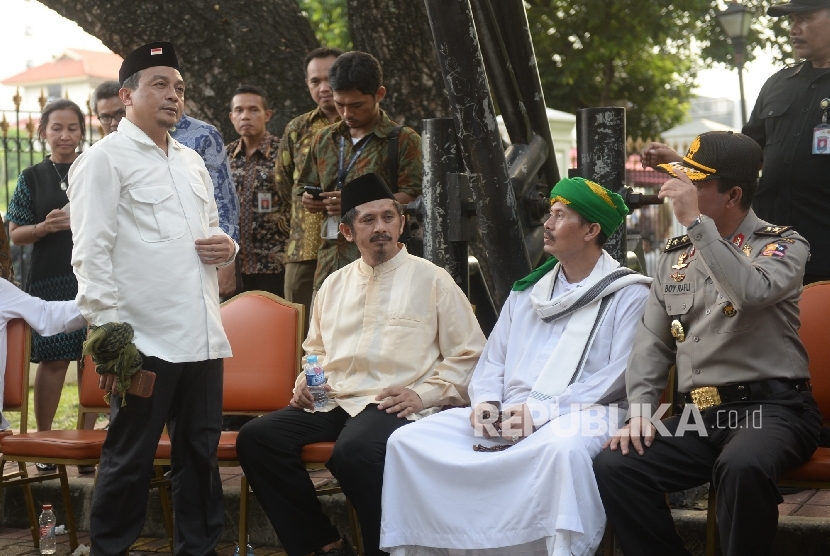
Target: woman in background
[{"x": 36, "y": 217}]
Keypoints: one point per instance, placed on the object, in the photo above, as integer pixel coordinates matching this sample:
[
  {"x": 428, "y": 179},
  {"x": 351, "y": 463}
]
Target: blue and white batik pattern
[{"x": 206, "y": 140}]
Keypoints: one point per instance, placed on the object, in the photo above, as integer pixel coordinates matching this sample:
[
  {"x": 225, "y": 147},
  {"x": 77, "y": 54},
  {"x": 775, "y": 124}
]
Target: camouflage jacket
[
  {"x": 304, "y": 239},
  {"x": 321, "y": 166},
  {"x": 264, "y": 214}
]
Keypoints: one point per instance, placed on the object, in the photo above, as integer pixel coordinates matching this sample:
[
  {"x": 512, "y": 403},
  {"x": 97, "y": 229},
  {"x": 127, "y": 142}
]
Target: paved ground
[
  {"x": 14, "y": 542},
  {"x": 18, "y": 542}
]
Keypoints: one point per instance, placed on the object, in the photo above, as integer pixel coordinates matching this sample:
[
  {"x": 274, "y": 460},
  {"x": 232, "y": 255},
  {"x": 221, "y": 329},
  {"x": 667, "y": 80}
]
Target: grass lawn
[{"x": 66, "y": 416}]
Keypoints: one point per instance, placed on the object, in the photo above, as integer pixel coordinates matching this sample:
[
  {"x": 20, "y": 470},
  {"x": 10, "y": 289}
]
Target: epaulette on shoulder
[
  {"x": 772, "y": 230},
  {"x": 677, "y": 243}
]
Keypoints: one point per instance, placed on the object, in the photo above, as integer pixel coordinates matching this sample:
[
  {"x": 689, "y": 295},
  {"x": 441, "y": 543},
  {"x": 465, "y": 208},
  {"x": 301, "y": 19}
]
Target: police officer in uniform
[
  {"x": 790, "y": 122},
  {"x": 724, "y": 308}
]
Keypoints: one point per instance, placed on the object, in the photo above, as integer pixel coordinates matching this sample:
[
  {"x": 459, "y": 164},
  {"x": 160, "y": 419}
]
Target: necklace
[{"x": 62, "y": 178}]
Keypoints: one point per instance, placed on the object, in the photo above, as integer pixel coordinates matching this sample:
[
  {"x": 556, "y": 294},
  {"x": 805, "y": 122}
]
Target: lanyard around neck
[{"x": 343, "y": 172}]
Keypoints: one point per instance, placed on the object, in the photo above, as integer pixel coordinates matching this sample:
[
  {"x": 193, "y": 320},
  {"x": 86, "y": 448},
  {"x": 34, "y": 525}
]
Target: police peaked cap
[
  {"x": 718, "y": 154},
  {"x": 148, "y": 56},
  {"x": 788, "y": 8},
  {"x": 365, "y": 189}
]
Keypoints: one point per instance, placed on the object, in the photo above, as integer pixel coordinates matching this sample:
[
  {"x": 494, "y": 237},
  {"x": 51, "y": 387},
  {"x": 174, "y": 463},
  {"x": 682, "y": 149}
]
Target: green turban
[{"x": 594, "y": 203}]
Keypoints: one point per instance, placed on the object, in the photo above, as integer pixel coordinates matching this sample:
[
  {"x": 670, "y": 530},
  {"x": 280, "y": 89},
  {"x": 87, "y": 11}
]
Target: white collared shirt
[{"x": 135, "y": 215}]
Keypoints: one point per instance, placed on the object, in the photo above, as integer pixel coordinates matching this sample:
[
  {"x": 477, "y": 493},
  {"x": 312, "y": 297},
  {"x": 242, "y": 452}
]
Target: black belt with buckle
[{"x": 709, "y": 396}]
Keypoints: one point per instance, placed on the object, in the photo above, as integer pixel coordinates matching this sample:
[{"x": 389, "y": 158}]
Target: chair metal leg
[
  {"x": 67, "y": 507},
  {"x": 711, "y": 522},
  {"x": 243, "y": 514},
  {"x": 30, "y": 506},
  {"x": 166, "y": 507},
  {"x": 355, "y": 526}
]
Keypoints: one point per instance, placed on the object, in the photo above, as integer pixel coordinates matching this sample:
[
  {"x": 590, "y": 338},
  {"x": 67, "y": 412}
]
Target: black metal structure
[
  {"x": 600, "y": 138},
  {"x": 485, "y": 46},
  {"x": 503, "y": 189}
]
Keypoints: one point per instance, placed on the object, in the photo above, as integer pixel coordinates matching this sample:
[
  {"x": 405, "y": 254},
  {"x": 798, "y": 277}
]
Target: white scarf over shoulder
[{"x": 586, "y": 307}]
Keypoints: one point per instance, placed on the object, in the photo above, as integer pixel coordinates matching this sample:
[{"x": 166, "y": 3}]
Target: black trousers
[
  {"x": 188, "y": 398},
  {"x": 747, "y": 448},
  {"x": 269, "y": 450}
]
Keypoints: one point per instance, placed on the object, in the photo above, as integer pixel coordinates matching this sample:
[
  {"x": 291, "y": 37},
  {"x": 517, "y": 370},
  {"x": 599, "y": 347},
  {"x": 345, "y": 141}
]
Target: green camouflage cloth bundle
[{"x": 113, "y": 351}]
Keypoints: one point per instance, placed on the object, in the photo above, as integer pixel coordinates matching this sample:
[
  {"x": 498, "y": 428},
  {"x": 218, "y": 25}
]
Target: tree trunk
[
  {"x": 220, "y": 45},
  {"x": 396, "y": 32}
]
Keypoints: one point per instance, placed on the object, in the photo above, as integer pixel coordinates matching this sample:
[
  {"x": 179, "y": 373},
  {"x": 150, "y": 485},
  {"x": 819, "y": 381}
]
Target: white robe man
[
  {"x": 45, "y": 317},
  {"x": 555, "y": 363}
]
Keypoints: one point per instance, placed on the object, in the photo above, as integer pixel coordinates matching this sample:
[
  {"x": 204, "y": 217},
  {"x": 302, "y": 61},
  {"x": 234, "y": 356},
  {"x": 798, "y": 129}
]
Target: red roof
[
  {"x": 73, "y": 63},
  {"x": 635, "y": 174}
]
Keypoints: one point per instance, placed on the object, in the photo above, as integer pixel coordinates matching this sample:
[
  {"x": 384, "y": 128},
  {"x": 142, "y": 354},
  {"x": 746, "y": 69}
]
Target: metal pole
[
  {"x": 459, "y": 57},
  {"x": 600, "y": 139},
  {"x": 743, "y": 100},
  {"x": 739, "y": 47},
  {"x": 502, "y": 79},
  {"x": 441, "y": 157},
  {"x": 515, "y": 31}
]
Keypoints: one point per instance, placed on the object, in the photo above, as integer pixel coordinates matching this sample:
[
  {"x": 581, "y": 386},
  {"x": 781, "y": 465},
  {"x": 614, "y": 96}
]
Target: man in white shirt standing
[
  {"x": 147, "y": 243},
  {"x": 554, "y": 363},
  {"x": 397, "y": 339}
]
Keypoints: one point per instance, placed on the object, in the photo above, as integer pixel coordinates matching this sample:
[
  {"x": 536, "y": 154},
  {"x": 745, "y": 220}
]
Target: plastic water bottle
[
  {"x": 315, "y": 378},
  {"x": 249, "y": 550},
  {"x": 48, "y": 543}
]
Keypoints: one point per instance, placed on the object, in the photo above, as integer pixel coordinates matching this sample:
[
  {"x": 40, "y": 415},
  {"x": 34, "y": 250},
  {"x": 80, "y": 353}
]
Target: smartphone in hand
[{"x": 314, "y": 191}]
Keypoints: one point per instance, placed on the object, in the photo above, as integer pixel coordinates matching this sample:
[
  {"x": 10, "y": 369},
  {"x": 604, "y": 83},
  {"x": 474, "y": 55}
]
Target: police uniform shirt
[
  {"x": 737, "y": 302},
  {"x": 795, "y": 184}
]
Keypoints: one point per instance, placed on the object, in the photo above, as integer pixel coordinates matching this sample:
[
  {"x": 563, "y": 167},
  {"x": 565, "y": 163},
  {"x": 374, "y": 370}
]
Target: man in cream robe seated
[
  {"x": 398, "y": 340},
  {"x": 554, "y": 363}
]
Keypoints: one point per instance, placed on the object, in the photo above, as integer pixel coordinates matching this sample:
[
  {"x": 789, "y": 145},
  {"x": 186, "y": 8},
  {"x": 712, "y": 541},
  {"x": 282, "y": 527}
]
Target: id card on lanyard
[
  {"x": 342, "y": 171},
  {"x": 330, "y": 226},
  {"x": 821, "y": 133}
]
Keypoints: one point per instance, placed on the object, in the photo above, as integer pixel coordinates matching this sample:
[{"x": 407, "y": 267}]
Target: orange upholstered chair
[
  {"x": 61, "y": 447},
  {"x": 265, "y": 333},
  {"x": 815, "y": 472}
]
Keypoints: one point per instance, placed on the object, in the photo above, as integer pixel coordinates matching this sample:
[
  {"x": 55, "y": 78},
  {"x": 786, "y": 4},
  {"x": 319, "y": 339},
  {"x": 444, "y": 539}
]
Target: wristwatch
[{"x": 697, "y": 221}]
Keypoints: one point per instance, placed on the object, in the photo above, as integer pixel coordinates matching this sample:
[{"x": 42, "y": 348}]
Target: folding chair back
[
  {"x": 265, "y": 333},
  {"x": 90, "y": 397},
  {"x": 815, "y": 318}
]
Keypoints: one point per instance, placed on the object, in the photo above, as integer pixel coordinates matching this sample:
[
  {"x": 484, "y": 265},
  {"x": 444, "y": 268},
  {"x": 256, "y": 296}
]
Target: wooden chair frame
[
  {"x": 16, "y": 328},
  {"x": 95, "y": 437},
  {"x": 244, "y": 487}
]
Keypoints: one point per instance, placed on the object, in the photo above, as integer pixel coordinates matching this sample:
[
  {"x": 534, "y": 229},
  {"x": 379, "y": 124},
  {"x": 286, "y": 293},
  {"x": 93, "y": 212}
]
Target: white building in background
[
  {"x": 73, "y": 75},
  {"x": 721, "y": 110}
]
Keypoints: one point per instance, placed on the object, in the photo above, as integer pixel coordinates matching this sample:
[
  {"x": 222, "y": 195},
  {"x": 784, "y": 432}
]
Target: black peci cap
[
  {"x": 148, "y": 56},
  {"x": 365, "y": 189}
]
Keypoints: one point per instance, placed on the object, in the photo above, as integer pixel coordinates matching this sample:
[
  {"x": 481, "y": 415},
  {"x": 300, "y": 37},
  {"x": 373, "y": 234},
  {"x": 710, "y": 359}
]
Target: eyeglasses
[{"x": 107, "y": 119}]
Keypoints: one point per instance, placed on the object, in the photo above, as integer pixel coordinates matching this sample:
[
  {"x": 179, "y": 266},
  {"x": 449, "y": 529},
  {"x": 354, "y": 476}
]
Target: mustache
[
  {"x": 380, "y": 237},
  {"x": 549, "y": 236}
]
